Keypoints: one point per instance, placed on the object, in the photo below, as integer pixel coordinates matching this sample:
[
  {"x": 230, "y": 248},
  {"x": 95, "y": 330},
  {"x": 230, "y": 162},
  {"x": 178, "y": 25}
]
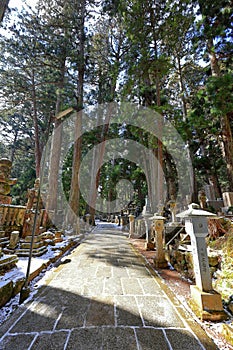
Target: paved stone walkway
[{"x": 105, "y": 298}]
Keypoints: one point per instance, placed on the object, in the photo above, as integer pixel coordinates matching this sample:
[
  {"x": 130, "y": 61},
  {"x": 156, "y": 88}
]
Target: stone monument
[{"x": 206, "y": 302}]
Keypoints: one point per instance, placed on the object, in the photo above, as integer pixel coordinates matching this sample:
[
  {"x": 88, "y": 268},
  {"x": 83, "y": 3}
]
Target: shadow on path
[{"x": 64, "y": 320}]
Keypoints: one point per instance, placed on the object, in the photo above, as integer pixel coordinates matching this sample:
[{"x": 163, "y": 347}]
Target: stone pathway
[{"x": 105, "y": 298}]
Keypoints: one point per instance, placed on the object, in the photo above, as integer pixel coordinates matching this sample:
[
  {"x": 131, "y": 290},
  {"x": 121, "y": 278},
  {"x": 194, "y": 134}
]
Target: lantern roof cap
[{"x": 195, "y": 211}]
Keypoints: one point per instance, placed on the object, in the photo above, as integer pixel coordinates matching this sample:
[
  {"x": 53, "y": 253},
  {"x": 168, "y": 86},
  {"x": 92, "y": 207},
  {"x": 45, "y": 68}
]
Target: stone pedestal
[
  {"x": 207, "y": 305},
  {"x": 7, "y": 262},
  {"x": 159, "y": 260},
  {"x": 58, "y": 237},
  {"x": 149, "y": 245},
  {"x": 3, "y": 239},
  {"x": 38, "y": 247},
  {"x": 131, "y": 225},
  {"x": 14, "y": 240}
]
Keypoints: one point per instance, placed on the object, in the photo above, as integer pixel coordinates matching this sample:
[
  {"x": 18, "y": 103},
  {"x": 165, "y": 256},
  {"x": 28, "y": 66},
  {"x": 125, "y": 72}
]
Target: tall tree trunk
[
  {"x": 227, "y": 138},
  {"x": 97, "y": 164},
  {"x": 160, "y": 181},
  {"x": 3, "y": 7},
  {"x": 36, "y": 127},
  {"x": 74, "y": 199},
  {"x": 55, "y": 149},
  {"x": 228, "y": 147},
  {"x": 193, "y": 180},
  {"x": 13, "y": 148}
]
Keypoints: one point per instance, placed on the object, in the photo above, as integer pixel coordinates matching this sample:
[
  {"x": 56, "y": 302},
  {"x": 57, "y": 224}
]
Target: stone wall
[{"x": 182, "y": 261}]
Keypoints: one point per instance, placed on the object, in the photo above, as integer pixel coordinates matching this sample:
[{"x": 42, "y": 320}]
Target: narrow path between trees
[{"x": 104, "y": 297}]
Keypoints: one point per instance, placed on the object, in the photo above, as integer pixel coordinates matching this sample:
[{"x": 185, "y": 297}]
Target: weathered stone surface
[
  {"x": 14, "y": 239},
  {"x": 127, "y": 312},
  {"x": 7, "y": 261},
  {"x": 182, "y": 339},
  {"x": 19, "y": 341},
  {"x": 78, "y": 339},
  {"x": 50, "y": 341},
  {"x": 18, "y": 286},
  {"x": 118, "y": 339},
  {"x": 6, "y": 290},
  {"x": 157, "y": 314},
  {"x": 100, "y": 314},
  {"x": 151, "y": 339}
]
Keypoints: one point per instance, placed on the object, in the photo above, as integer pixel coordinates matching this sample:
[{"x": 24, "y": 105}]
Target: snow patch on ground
[{"x": 20, "y": 271}]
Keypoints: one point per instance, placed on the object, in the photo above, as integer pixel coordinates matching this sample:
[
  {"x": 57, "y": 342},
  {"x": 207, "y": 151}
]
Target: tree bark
[
  {"x": 74, "y": 199},
  {"x": 36, "y": 127},
  {"x": 56, "y": 149},
  {"x": 3, "y": 7},
  {"x": 193, "y": 181}
]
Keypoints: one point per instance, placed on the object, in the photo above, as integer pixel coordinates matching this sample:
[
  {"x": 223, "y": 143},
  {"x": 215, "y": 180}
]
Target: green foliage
[
  {"x": 220, "y": 94},
  {"x": 149, "y": 53}
]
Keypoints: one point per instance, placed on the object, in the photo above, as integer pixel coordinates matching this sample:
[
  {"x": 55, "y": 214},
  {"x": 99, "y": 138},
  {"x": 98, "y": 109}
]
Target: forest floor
[{"x": 181, "y": 288}]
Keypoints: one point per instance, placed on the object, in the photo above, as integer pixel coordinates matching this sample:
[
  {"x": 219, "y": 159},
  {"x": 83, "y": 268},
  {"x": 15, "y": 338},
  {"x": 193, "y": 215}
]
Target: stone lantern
[
  {"x": 206, "y": 302},
  {"x": 158, "y": 223}
]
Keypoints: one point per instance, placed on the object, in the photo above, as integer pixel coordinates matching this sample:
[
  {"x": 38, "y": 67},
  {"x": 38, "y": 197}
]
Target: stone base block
[
  {"x": 149, "y": 246},
  {"x": 160, "y": 264},
  {"x": 7, "y": 262},
  {"x": 4, "y": 241},
  {"x": 207, "y": 305},
  {"x": 35, "y": 252}
]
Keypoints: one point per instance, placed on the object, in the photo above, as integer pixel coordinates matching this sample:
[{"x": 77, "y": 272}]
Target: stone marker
[
  {"x": 207, "y": 303},
  {"x": 159, "y": 260},
  {"x": 14, "y": 239},
  {"x": 131, "y": 225}
]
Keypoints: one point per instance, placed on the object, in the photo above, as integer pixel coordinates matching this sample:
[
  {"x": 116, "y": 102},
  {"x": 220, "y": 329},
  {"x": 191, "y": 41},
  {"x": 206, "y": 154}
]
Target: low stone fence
[{"x": 11, "y": 217}]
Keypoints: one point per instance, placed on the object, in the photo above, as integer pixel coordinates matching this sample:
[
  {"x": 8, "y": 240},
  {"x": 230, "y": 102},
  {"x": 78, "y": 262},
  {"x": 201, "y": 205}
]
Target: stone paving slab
[{"x": 106, "y": 297}]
